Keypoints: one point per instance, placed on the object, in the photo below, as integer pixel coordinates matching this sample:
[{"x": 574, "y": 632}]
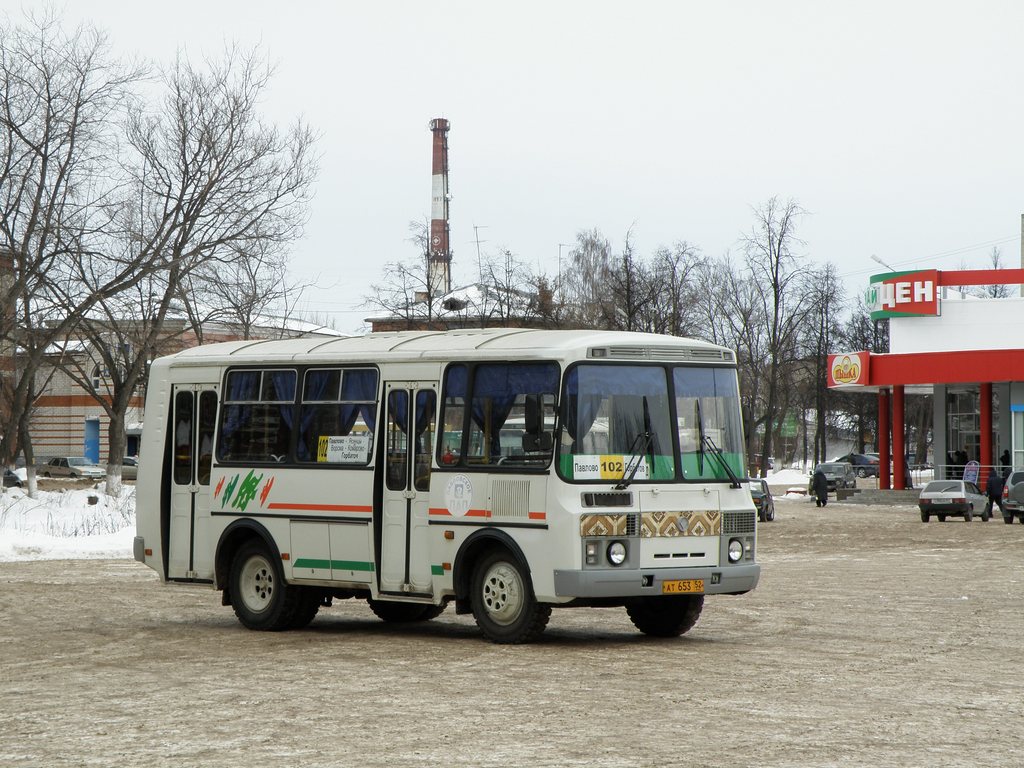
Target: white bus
[{"x": 509, "y": 471}]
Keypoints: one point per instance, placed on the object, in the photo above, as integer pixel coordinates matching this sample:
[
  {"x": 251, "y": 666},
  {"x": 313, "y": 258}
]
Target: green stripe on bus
[
  {"x": 338, "y": 565},
  {"x": 437, "y": 570}
]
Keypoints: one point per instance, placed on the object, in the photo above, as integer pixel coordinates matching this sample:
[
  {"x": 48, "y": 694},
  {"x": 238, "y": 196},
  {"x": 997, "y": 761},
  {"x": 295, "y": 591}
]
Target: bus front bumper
[{"x": 644, "y": 582}]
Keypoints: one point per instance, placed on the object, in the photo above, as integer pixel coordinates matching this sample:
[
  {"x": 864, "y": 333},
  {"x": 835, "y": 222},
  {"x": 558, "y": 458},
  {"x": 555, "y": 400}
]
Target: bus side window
[
  {"x": 207, "y": 422},
  {"x": 184, "y": 406},
  {"x": 426, "y": 405},
  {"x": 397, "y": 440}
]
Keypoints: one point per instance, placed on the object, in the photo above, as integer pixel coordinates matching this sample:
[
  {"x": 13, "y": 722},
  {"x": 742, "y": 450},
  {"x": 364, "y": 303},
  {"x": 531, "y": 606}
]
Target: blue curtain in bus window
[
  {"x": 397, "y": 442},
  {"x": 241, "y": 386},
  {"x": 359, "y": 385},
  {"x": 317, "y": 384},
  {"x": 284, "y": 392},
  {"x": 502, "y": 384}
]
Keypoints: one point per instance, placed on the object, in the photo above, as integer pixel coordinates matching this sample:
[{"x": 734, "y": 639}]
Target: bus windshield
[{"x": 617, "y": 423}]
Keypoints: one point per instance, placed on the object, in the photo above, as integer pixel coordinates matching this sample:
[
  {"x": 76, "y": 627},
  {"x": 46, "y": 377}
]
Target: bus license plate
[{"x": 682, "y": 586}]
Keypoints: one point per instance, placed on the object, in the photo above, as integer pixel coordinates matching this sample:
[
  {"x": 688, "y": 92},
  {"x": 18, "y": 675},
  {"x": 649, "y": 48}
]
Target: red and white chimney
[{"x": 439, "y": 259}]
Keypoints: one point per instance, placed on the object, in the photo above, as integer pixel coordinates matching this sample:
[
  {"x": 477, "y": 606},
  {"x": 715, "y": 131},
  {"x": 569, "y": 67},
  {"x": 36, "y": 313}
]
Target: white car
[
  {"x": 71, "y": 466},
  {"x": 959, "y": 498}
]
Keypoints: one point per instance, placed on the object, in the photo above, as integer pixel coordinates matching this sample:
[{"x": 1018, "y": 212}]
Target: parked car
[
  {"x": 864, "y": 464},
  {"x": 959, "y": 498},
  {"x": 839, "y": 474},
  {"x": 129, "y": 468},
  {"x": 11, "y": 480},
  {"x": 763, "y": 501},
  {"x": 71, "y": 466},
  {"x": 1013, "y": 497}
]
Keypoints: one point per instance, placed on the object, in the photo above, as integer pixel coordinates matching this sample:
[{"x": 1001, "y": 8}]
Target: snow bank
[{"x": 74, "y": 524}]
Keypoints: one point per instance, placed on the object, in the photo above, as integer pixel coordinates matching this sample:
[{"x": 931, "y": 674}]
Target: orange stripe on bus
[
  {"x": 320, "y": 507},
  {"x": 442, "y": 512},
  {"x": 538, "y": 516}
]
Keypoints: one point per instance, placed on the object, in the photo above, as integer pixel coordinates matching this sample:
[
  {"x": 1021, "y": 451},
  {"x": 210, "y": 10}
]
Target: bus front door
[
  {"x": 411, "y": 412},
  {"x": 194, "y": 419}
]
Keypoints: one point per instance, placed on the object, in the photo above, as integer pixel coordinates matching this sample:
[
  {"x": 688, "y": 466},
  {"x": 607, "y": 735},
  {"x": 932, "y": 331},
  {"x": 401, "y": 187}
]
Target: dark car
[
  {"x": 1013, "y": 497},
  {"x": 863, "y": 464},
  {"x": 838, "y": 474},
  {"x": 11, "y": 480},
  {"x": 763, "y": 501}
]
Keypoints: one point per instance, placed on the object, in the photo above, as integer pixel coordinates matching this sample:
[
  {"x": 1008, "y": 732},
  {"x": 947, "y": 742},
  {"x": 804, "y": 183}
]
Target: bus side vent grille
[
  {"x": 510, "y": 498},
  {"x": 608, "y": 499},
  {"x": 667, "y": 353},
  {"x": 738, "y": 522}
]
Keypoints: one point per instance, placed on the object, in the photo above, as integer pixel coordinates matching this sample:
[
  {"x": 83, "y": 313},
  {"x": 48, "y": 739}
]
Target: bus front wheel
[
  {"x": 665, "y": 616},
  {"x": 259, "y": 596},
  {"x": 503, "y": 603}
]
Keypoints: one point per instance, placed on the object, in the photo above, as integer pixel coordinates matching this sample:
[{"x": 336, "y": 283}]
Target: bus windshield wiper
[
  {"x": 708, "y": 445},
  {"x": 629, "y": 472}
]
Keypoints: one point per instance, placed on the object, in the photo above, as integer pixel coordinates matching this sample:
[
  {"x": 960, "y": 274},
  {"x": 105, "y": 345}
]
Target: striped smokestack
[{"x": 439, "y": 261}]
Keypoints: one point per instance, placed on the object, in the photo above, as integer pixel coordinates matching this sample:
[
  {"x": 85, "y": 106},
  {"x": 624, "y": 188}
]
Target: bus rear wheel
[
  {"x": 665, "y": 616},
  {"x": 503, "y": 603},
  {"x": 259, "y": 596},
  {"x": 399, "y": 613}
]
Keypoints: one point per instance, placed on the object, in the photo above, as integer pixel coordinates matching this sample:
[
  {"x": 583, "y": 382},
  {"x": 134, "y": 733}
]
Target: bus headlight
[
  {"x": 616, "y": 553},
  {"x": 735, "y": 550}
]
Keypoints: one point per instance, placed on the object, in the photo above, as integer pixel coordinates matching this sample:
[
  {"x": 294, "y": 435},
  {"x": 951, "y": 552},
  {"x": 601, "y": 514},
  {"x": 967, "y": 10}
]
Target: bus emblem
[{"x": 458, "y": 494}]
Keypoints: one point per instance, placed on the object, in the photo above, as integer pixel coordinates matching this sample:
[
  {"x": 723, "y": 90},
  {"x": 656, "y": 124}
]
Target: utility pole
[{"x": 479, "y": 262}]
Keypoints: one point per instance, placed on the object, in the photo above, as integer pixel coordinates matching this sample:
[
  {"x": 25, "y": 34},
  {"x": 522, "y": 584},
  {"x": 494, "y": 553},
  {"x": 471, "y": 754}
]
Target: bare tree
[
  {"x": 208, "y": 190},
  {"x": 825, "y": 293},
  {"x": 508, "y": 287},
  {"x": 406, "y": 293},
  {"x": 583, "y": 284},
  {"x": 61, "y": 97},
  {"x": 672, "y": 306},
  {"x": 997, "y": 290},
  {"x": 774, "y": 273}
]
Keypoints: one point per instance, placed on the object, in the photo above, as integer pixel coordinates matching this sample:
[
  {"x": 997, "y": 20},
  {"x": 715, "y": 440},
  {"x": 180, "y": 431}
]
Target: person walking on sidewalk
[{"x": 820, "y": 484}]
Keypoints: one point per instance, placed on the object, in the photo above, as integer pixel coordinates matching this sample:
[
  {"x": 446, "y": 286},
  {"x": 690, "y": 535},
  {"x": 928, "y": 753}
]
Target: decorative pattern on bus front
[
  {"x": 696, "y": 523},
  {"x": 654, "y": 524},
  {"x": 608, "y": 525}
]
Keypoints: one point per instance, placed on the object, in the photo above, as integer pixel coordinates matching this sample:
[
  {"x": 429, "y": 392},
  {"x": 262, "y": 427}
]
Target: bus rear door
[
  {"x": 410, "y": 415},
  {"x": 194, "y": 419}
]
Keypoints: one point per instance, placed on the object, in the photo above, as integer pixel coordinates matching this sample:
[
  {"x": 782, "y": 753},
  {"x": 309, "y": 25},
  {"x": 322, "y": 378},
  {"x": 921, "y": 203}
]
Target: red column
[
  {"x": 899, "y": 450},
  {"x": 985, "y": 439},
  {"x": 883, "y": 439}
]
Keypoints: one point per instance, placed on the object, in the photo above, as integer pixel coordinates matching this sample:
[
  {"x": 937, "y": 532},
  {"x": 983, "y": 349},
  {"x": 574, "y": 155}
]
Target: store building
[{"x": 962, "y": 348}]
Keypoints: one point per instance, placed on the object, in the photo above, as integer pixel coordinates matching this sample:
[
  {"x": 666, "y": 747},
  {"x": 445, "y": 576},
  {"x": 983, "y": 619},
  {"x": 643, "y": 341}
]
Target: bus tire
[
  {"x": 260, "y": 598},
  {"x": 403, "y": 613},
  {"x": 307, "y": 607},
  {"x": 503, "y": 603},
  {"x": 669, "y": 616}
]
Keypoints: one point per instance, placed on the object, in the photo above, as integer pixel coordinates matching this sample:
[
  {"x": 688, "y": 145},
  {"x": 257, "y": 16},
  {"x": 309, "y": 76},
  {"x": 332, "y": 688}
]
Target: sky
[{"x": 895, "y": 125}]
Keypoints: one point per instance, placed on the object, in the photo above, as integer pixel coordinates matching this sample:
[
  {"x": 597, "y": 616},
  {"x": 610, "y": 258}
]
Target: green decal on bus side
[
  {"x": 337, "y": 565},
  {"x": 437, "y": 570}
]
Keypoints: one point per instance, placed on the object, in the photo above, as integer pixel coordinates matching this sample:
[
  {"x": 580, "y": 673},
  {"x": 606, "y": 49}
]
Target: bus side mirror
[
  {"x": 534, "y": 416},
  {"x": 535, "y": 438}
]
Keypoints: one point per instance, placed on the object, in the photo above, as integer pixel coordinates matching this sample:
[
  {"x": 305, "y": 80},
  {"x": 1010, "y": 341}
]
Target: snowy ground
[{"x": 72, "y": 524}]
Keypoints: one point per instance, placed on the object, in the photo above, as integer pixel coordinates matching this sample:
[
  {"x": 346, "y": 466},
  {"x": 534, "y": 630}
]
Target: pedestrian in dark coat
[
  {"x": 994, "y": 491},
  {"x": 820, "y": 485}
]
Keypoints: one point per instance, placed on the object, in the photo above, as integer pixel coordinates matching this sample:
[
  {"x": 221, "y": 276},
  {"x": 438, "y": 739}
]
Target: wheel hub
[
  {"x": 503, "y": 594},
  {"x": 257, "y": 584}
]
